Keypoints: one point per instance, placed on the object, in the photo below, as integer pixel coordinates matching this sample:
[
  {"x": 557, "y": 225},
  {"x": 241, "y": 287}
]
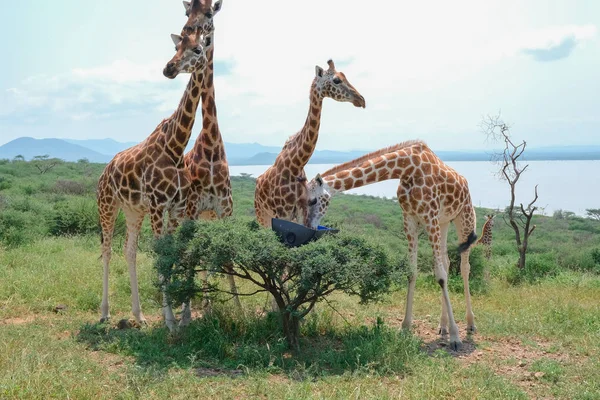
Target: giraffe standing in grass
[
  {"x": 209, "y": 196},
  {"x": 150, "y": 177},
  {"x": 431, "y": 195},
  {"x": 486, "y": 236},
  {"x": 281, "y": 190}
]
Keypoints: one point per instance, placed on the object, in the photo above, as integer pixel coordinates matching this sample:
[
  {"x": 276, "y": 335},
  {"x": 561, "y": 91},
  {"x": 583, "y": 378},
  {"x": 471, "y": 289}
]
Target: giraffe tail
[{"x": 470, "y": 240}]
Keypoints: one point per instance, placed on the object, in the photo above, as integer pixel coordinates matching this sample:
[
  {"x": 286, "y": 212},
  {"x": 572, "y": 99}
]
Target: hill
[
  {"x": 55, "y": 148},
  {"x": 102, "y": 150}
]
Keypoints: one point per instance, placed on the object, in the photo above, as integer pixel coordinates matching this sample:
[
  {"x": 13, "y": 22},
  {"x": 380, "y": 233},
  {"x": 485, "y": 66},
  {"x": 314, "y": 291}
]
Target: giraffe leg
[
  {"x": 157, "y": 222},
  {"x": 441, "y": 277},
  {"x": 443, "y": 329},
  {"x": 465, "y": 225},
  {"x": 108, "y": 214},
  {"x": 411, "y": 230},
  {"x": 134, "y": 225}
]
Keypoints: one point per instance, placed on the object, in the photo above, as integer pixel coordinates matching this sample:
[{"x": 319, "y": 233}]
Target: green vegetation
[{"x": 538, "y": 328}]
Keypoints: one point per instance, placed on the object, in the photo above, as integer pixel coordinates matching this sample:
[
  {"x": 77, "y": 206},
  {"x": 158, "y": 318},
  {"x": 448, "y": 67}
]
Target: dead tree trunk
[{"x": 518, "y": 217}]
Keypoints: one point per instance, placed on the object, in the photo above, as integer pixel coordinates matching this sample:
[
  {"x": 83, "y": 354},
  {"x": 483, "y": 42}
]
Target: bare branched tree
[{"x": 518, "y": 217}]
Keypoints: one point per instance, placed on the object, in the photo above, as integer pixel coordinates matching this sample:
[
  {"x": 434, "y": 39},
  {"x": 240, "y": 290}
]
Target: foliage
[
  {"x": 297, "y": 278},
  {"x": 74, "y": 218},
  {"x": 593, "y": 213},
  {"x": 538, "y": 267}
]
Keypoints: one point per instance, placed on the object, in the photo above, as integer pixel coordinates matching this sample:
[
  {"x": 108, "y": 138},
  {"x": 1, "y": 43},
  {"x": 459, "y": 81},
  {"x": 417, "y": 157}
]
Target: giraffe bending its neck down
[
  {"x": 486, "y": 236},
  {"x": 150, "y": 178},
  {"x": 280, "y": 191},
  {"x": 430, "y": 193}
]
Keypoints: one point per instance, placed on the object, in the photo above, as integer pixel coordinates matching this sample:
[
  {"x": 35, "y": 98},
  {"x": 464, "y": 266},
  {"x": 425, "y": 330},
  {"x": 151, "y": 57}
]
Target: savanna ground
[{"x": 538, "y": 330}]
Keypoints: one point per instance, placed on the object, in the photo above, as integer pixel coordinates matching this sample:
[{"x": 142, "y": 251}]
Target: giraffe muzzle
[
  {"x": 360, "y": 102},
  {"x": 170, "y": 71}
]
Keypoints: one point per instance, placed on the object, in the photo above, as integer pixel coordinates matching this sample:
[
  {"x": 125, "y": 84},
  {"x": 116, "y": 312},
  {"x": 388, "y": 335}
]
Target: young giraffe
[
  {"x": 209, "y": 196},
  {"x": 431, "y": 194},
  {"x": 486, "y": 236},
  {"x": 279, "y": 190},
  {"x": 150, "y": 178}
]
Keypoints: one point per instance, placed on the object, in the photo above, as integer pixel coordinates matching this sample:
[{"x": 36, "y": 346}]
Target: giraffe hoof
[
  {"x": 471, "y": 329},
  {"x": 104, "y": 320},
  {"x": 443, "y": 330},
  {"x": 455, "y": 344}
]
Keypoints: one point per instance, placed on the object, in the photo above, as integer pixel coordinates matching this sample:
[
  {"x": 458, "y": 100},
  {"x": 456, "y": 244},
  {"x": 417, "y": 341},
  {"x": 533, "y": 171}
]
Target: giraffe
[
  {"x": 279, "y": 189},
  {"x": 431, "y": 194},
  {"x": 209, "y": 195},
  {"x": 486, "y": 236},
  {"x": 149, "y": 178}
]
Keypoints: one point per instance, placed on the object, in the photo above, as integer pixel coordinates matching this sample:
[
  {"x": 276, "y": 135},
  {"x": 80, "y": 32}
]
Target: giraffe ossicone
[{"x": 431, "y": 195}]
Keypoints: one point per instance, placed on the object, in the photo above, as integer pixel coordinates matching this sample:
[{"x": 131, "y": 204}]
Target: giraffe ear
[
  {"x": 176, "y": 39},
  {"x": 318, "y": 71},
  {"x": 188, "y": 7},
  {"x": 217, "y": 7},
  {"x": 319, "y": 180}
]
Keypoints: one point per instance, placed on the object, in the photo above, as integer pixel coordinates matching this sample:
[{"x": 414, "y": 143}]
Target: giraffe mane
[{"x": 358, "y": 161}]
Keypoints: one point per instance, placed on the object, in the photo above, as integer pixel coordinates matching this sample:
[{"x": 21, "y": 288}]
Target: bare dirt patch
[{"x": 18, "y": 320}]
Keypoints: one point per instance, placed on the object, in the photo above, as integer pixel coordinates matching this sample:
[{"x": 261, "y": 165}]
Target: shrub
[
  {"x": 538, "y": 267},
  {"x": 15, "y": 228},
  {"x": 63, "y": 186},
  {"x": 297, "y": 277},
  {"x": 5, "y": 183},
  {"x": 73, "y": 218}
]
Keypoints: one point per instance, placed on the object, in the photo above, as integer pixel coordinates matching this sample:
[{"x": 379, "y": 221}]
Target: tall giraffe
[
  {"x": 150, "y": 178},
  {"x": 279, "y": 190},
  {"x": 209, "y": 196},
  {"x": 486, "y": 236},
  {"x": 431, "y": 194}
]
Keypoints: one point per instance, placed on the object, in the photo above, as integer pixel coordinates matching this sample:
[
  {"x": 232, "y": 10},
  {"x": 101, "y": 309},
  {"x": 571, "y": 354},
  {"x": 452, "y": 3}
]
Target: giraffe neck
[
  {"x": 179, "y": 127},
  {"x": 210, "y": 142},
  {"x": 300, "y": 147},
  {"x": 394, "y": 165},
  {"x": 486, "y": 233}
]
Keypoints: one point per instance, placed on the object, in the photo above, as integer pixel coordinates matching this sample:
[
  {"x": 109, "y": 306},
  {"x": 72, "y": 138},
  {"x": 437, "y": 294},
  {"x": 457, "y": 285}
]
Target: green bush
[
  {"x": 537, "y": 267},
  {"x": 16, "y": 228},
  {"x": 74, "y": 218},
  {"x": 477, "y": 282},
  {"x": 296, "y": 277}
]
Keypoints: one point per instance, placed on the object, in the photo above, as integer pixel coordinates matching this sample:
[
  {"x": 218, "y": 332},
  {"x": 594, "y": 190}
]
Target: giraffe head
[
  {"x": 190, "y": 54},
  {"x": 333, "y": 84},
  {"x": 490, "y": 220},
  {"x": 200, "y": 15},
  {"x": 319, "y": 195}
]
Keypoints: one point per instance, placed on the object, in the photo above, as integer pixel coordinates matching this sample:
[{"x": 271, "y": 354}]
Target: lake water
[{"x": 566, "y": 185}]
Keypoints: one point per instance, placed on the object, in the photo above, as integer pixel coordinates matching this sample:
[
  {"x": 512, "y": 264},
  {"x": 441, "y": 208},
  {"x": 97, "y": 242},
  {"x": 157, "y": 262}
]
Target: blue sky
[{"x": 430, "y": 70}]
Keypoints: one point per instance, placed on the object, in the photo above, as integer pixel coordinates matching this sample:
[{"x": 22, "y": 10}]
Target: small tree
[
  {"x": 45, "y": 163},
  {"x": 18, "y": 157},
  {"x": 593, "y": 213},
  {"x": 519, "y": 217},
  {"x": 296, "y": 277}
]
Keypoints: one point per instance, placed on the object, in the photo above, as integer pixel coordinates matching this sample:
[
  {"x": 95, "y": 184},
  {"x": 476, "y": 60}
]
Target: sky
[{"x": 428, "y": 70}]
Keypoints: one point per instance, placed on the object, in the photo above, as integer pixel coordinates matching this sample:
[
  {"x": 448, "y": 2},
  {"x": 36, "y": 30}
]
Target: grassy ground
[
  {"x": 534, "y": 340},
  {"x": 538, "y": 330}
]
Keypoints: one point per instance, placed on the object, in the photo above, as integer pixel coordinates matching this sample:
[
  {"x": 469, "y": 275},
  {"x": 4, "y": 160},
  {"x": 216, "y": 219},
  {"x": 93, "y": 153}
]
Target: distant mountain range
[{"x": 102, "y": 151}]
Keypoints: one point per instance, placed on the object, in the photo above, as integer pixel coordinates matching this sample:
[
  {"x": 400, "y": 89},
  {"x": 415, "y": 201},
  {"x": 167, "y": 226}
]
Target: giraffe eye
[
  {"x": 312, "y": 202},
  {"x": 337, "y": 80},
  {"x": 197, "y": 51}
]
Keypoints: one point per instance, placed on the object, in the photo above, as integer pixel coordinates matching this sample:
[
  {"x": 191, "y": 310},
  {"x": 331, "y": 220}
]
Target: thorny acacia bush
[{"x": 296, "y": 277}]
